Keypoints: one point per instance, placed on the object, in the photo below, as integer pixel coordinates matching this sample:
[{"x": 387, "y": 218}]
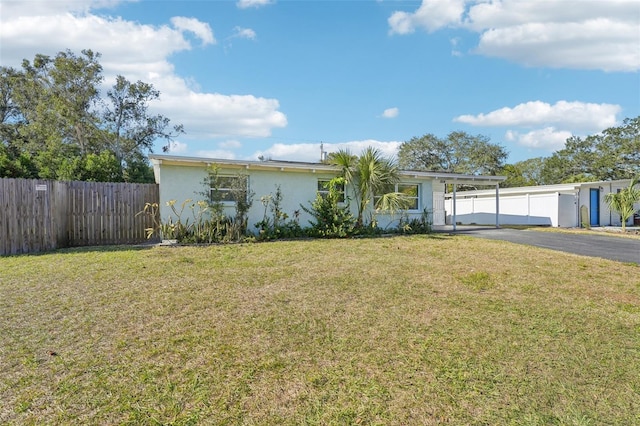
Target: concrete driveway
[{"x": 604, "y": 246}]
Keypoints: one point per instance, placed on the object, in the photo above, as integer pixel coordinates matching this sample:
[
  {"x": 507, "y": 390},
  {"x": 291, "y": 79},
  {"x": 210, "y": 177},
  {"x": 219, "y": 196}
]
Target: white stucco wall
[
  {"x": 520, "y": 209},
  {"x": 296, "y": 187},
  {"x": 181, "y": 182}
]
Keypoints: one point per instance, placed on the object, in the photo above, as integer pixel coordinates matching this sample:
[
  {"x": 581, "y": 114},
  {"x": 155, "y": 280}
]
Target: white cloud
[
  {"x": 216, "y": 153},
  {"x": 201, "y": 29},
  {"x": 121, "y": 42},
  {"x": 579, "y": 116},
  {"x": 594, "y": 44},
  {"x": 176, "y": 147},
  {"x": 554, "y": 33},
  {"x": 541, "y": 125},
  {"x": 390, "y": 112},
  {"x": 431, "y": 15},
  {"x": 548, "y": 138},
  {"x": 248, "y": 33},
  {"x": 455, "y": 42},
  {"x": 216, "y": 115},
  {"x": 245, "y": 4},
  {"x": 12, "y": 9},
  {"x": 232, "y": 143},
  {"x": 311, "y": 151},
  {"x": 138, "y": 52}
]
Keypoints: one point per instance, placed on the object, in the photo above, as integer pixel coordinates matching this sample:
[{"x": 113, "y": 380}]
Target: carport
[
  {"x": 455, "y": 180},
  {"x": 566, "y": 205}
]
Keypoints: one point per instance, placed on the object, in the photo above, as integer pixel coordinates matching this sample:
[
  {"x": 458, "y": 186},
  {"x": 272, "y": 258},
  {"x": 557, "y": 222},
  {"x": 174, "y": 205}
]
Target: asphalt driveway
[{"x": 604, "y": 246}]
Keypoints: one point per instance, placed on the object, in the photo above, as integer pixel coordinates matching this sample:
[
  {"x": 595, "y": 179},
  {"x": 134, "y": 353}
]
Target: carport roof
[{"x": 562, "y": 188}]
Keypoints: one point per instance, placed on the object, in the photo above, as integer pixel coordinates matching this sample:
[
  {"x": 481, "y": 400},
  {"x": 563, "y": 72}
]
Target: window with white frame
[
  {"x": 410, "y": 192},
  {"x": 228, "y": 189},
  {"x": 323, "y": 189}
]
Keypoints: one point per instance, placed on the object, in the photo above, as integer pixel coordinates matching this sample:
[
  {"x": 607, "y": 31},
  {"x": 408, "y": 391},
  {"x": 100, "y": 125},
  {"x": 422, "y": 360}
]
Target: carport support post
[
  {"x": 454, "y": 207},
  {"x": 497, "y": 206}
]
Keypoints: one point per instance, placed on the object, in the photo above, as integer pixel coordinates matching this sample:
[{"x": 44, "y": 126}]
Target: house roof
[{"x": 295, "y": 166}]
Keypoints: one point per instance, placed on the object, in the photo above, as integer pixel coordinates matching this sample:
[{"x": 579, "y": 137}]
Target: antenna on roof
[{"x": 323, "y": 153}]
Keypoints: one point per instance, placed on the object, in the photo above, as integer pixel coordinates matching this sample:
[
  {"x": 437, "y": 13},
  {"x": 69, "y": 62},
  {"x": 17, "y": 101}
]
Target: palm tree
[
  {"x": 373, "y": 178},
  {"x": 622, "y": 202}
]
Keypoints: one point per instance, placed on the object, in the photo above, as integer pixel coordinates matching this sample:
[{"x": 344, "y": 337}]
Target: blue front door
[{"x": 594, "y": 207}]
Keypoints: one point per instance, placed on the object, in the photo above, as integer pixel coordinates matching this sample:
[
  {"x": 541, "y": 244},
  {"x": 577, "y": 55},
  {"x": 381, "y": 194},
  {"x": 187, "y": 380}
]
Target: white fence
[{"x": 551, "y": 209}]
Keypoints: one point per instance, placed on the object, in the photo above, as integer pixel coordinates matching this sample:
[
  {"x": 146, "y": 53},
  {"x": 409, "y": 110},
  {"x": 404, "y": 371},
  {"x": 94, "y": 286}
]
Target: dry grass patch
[{"x": 404, "y": 330}]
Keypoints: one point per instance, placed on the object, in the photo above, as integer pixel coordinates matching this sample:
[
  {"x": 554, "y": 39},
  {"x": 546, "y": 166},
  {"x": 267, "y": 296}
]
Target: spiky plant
[
  {"x": 623, "y": 202},
  {"x": 371, "y": 176}
]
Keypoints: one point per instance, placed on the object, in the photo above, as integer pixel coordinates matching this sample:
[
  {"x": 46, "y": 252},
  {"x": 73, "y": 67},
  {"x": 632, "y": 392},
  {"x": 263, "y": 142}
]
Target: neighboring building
[
  {"x": 181, "y": 178},
  {"x": 565, "y": 205}
]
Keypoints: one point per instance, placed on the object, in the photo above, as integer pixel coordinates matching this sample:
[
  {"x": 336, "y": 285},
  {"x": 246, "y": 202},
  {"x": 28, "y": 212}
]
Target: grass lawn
[{"x": 403, "y": 330}]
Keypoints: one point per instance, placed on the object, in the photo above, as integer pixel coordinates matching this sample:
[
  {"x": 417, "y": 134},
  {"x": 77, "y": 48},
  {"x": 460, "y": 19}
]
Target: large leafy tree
[
  {"x": 372, "y": 177},
  {"x": 56, "y": 99},
  {"x": 611, "y": 155},
  {"x": 13, "y": 161},
  {"x": 619, "y": 150},
  {"x": 131, "y": 130},
  {"x": 523, "y": 173},
  {"x": 54, "y": 124},
  {"x": 459, "y": 152},
  {"x": 576, "y": 162}
]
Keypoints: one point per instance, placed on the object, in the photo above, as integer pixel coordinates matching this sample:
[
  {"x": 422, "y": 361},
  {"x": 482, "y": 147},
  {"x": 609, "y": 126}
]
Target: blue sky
[{"x": 277, "y": 78}]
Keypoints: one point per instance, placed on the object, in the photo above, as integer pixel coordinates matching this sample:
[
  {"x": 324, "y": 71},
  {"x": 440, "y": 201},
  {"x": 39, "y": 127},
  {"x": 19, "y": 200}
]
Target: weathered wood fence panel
[{"x": 39, "y": 215}]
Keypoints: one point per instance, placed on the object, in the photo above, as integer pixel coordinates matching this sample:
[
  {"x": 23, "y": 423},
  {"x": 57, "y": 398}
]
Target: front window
[
  {"x": 323, "y": 189},
  {"x": 228, "y": 189},
  {"x": 410, "y": 194}
]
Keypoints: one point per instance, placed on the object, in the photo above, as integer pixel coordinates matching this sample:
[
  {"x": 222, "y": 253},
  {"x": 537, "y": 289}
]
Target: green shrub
[
  {"x": 277, "y": 226},
  {"x": 331, "y": 219},
  {"x": 421, "y": 225}
]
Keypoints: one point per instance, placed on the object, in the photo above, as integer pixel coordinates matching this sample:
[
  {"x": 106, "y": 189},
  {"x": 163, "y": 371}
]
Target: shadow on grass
[
  {"x": 86, "y": 249},
  {"x": 106, "y": 249},
  {"x": 436, "y": 235}
]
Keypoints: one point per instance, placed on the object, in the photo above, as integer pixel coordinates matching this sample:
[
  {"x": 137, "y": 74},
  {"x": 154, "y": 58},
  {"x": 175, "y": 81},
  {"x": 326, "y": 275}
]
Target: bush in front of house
[
  {"x": 331, "y": 219},
  {"x": 276, "y": 226},
  {"x": 419, "y": 225}
]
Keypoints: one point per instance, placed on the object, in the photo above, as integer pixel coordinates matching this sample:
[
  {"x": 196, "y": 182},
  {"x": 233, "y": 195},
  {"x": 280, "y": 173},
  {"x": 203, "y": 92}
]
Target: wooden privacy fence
[{"x": 40, "y": 215}]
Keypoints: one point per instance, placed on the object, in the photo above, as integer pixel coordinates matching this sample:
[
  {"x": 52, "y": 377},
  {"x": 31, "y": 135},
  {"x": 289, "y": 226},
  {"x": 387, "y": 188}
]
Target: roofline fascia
[
  {"x": 565, "y": 188},
  {"x": 243, "y": 164},
  {"x": 452, "y": 178}
]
